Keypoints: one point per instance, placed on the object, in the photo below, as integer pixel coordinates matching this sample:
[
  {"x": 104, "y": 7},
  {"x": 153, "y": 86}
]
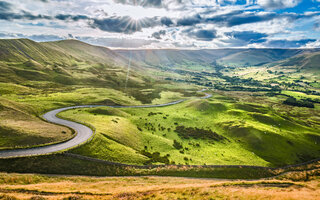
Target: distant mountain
[
  {"x": 261, "y": 56},
  {"x": 170, "y": 57},
  {"x": 306, "y": 61},
  {"x": 156, "y": 57}
]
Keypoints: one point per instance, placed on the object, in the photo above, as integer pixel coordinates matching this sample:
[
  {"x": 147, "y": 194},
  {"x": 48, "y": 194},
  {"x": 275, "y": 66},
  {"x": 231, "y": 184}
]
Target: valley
[{"x": 257, "y": 114}]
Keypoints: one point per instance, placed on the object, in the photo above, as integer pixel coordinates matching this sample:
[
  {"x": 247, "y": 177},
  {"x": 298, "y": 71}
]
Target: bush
[
  {"x": 187, "y": 132},
  {"x": 155, "y": 157},
  {"x": 300, "y": 103},
  {"x": 177, "y": 144}
]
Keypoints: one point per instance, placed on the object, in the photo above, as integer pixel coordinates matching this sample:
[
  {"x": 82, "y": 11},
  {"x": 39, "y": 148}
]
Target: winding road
[{"x": 84, "y": 133}]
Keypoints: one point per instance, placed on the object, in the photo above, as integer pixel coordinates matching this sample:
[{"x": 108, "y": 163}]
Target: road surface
[{"x": 83, "y": 133}]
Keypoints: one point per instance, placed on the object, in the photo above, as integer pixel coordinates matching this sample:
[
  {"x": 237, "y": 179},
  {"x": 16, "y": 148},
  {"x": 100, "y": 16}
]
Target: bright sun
[{"x": 137, "y": 12}]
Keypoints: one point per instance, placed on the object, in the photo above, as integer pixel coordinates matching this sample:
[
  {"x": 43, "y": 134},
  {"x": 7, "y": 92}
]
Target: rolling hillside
[
  {"x": 37, "y": 77},
  {"x": 307, "y": 61},
  {"x": 65, "y": 62},
  {"x": 170, "y": 57},
  {"x": 86, "y": 52}
]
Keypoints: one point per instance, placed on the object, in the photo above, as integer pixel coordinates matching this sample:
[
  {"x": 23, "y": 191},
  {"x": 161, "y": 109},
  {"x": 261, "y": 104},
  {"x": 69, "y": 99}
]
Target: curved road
[{"x": 84, "y": 133}]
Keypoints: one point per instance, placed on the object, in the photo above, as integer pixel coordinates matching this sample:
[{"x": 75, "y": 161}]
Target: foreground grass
[{"x": 28, "y": 186}]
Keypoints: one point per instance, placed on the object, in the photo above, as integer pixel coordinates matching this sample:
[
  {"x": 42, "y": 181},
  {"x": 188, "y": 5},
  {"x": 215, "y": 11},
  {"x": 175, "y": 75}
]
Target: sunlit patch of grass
[
  {"x": 30, "y": 186},
  {"x": 250, "y": 129}
]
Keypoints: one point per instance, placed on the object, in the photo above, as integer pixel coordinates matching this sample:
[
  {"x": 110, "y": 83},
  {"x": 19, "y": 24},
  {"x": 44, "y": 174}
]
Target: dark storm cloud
[
  {"x": 123, "y": 24},
  {"x": 248, "y": 36},
  {"x": 203, "y": 35},
  {"x": 158, "y": 34}
]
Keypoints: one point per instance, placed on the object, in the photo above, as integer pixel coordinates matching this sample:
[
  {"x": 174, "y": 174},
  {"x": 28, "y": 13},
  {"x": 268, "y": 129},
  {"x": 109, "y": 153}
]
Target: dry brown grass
[
  {"x": 20, "y": 129},
  {"x": 58, "y": 187}
]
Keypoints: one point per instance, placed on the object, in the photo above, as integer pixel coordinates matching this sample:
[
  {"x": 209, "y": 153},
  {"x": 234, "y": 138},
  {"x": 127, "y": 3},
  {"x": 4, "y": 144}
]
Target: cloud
[
  {"x": 158, "y": 34},
  {"x": 114, "y": 24},
  {"x": 44, "y": 38},
  {"x": 23, "y": 15},
  {"x": 6, "y": 13},
  {"x": 38, "y": 38},
  {"x": 166, "y": 21},
  {"x": 4, "y": 6},
  {"x": 190, "y": 21},
  {"x": 248, "y": 37},
  {"x": 238, "y": 17},
  {"x": 203, "y": 35},
  {"x": 149, "y": 3},
  {"x": 144, "y": 3},
  {"x": 288, "y": 43},
  {"x": 123, "y": 24},
  {"x": 71, "y": 17},
  {"x": 278, "y": 4},
  {"x": 117, "y": 42},
  {"x": 315, "y": 44}
]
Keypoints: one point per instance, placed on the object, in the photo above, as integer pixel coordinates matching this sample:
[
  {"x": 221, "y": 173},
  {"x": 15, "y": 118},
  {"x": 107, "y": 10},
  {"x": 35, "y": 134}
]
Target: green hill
[
  {"x": 66, "y": 62},
  {"x": 22, "y": 50},
  {"x": 307, "y": 61},
  {"x": 171, "y": 57},
  {"x": 86, "y": 52},
  {"x": 37, "y": 77},
  {"x": 259, "y": 56}
]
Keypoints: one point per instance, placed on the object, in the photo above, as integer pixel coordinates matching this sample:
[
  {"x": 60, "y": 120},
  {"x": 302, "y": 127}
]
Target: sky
[{"x": 185, "y": 24}]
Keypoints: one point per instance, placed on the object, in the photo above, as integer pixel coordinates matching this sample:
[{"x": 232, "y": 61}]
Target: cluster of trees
[
  {"x": 150, "y": 127},
  {"x": 152, "y": 113},
  {"x": 300, "y": 103},
  {"x": 197, "y": 133},
  {"x": 155, "y": 157},
  {"x": 177, "y": 144}
]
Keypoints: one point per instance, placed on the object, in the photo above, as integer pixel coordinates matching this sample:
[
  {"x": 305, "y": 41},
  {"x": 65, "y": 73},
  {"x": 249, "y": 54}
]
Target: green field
[{"x": 253, "y": 134}]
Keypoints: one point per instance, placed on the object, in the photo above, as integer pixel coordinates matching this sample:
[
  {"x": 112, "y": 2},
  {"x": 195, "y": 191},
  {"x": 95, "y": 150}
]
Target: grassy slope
[
  {"x": 37, "y": 77},
  {"x": 44, "y": 76},
  {"x": 259, "y": 56},
  {"x": 258, "y": 135},
  {"x": 171, "y": 57}
]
